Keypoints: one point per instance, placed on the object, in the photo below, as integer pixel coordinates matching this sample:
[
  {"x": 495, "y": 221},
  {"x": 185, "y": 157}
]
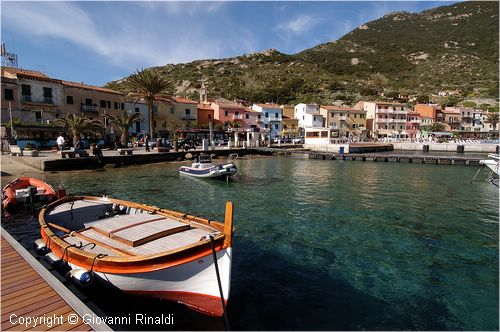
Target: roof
[
  {"x": 386, "y": 103},
  {"x": 16, "y": 71},
  {"x": 184, "y": 101},
  {"x": 88, "y": 87},
  {"x": 230, "y": 105},
  {"x": 338, "y": 108},
  {"x": 455, "y": 111},
  {"x": 269, "y": 106},
  {"x": 205, "y": 107}
]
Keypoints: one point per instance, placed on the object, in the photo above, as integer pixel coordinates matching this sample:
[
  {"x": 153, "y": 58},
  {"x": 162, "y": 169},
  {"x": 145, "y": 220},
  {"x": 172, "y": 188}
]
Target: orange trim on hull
[
  {"x": 206, "y": 304},
  {"x": 9, "y": 191}
]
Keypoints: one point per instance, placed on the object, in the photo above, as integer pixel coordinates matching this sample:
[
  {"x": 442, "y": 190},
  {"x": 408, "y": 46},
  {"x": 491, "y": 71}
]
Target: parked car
[
  {"x": 298, "y": 140},
  {"x": 186, "y": 144}
]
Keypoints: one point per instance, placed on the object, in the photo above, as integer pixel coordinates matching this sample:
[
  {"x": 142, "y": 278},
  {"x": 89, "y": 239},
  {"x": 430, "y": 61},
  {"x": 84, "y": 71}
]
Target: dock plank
[{"x": 29, "y": 290}]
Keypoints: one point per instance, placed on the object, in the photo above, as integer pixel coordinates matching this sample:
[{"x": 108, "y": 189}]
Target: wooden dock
[{"x": 33, "y": 299}]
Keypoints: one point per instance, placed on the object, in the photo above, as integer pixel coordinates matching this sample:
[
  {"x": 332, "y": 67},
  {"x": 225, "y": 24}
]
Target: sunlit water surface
[{"x": 325, "y": 245}]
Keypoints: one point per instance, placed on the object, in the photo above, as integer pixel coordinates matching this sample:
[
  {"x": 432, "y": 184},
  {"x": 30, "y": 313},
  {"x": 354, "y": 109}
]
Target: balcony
[
  {"x": 343, "y": 118},
  {"x": 188, "y": 117},
  {"x": 89, "y": 108},
  {"x": 237, "y": 117},
  {"x": 40, "y": 100}
]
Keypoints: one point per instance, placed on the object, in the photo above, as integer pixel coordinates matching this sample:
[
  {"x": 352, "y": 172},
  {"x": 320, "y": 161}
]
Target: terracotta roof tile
[
  {"x": 88, "y": 87},
  {"x": 184, "y": 101},
  {"x": 16, "y": 71}
]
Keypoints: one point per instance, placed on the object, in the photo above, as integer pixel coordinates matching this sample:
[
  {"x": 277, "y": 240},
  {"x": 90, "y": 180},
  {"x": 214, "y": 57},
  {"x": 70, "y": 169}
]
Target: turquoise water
[{"x": 331, "y": 245}]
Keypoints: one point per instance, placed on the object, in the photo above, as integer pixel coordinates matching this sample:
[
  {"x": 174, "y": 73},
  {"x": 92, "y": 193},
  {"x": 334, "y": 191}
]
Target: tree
[
  {"x": 422, "y": 99},
  {"x": 437, "y": 126},
  {"x": 492, "y": 118},
  {"x": 78, "y": 125},
  {"x": 148, "y": 85},
  {"x": 123, "y": 123}
]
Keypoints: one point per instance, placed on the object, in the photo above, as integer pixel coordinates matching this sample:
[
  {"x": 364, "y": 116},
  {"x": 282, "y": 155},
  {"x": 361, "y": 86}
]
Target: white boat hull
[
  {"x": 492, "y": 164},
  {"x": 193, "y": 283},
  {"x": 216, "y": 171}
]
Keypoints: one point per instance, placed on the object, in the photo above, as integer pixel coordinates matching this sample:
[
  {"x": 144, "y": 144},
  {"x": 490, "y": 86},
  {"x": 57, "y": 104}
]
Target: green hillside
[{"x": 450, "y": 47}]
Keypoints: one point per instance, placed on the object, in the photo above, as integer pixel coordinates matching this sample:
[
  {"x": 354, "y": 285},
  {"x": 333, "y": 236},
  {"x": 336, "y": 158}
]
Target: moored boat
[
  {"x": 204, "y": 167},
  {"x": 492, "y": 163},
  {"x": 25, "y": 189},
  {"x": 142, "y": 249}
]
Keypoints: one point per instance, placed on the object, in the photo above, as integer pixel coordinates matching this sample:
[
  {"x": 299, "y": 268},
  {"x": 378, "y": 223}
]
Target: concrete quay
[{"x": 50, "y": 161}]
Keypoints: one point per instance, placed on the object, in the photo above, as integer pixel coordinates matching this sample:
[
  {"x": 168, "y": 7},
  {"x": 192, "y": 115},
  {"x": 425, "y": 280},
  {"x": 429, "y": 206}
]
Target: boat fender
[
  {"x": 81, "y": 277},
  {"x": 40, "y": 247},
  {"x": 53, "y": 260}
]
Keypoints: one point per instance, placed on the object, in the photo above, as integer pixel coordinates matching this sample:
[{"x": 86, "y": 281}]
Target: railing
[
  {"x": 188, "y": 117},
  {"x": 89, "y": 108},
  {"x": 343, "y": 118},
  {"x": 237, "y": 117},
  {"x": 41, "y": 100}
]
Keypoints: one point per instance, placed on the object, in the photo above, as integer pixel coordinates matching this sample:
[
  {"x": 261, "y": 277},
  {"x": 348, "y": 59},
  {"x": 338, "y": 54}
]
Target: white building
[
  {"x": 271, "y": 118},
  {"x": 141, "y": 127},
  {"x": 472, "y": 120},
  {"x": 385, "y": 119},
  {"x": 308, "y": 115}
]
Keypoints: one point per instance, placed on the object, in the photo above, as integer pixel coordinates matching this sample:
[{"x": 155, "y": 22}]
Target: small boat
[
  {"x": 492, "y": 163},
  {"x": 204, "y": 167},
  {"x": 141, "y": 249},
  {"x": 27, "y": 189}
]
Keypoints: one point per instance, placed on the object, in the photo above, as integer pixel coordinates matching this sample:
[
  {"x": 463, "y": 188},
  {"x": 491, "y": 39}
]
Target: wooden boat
[
  {"x": 204, "y": 167},
  {"x": 27, "y": 188},
  {"x": 142, "y": 249}
]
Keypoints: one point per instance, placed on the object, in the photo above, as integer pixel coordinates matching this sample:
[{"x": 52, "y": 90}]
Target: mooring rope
[{"x": 214, "y": 254}]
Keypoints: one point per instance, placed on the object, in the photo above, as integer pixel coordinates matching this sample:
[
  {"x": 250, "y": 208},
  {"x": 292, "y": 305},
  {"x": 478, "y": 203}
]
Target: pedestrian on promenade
[
  {"x": 146, "y": 142},
  {"x": 60, "y": 142}
]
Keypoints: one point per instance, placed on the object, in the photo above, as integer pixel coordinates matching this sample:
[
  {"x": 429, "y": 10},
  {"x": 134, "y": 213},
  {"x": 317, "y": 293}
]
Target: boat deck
[
  {"x": 30, "y": 291},
  {"x": 134, "y": 233}
]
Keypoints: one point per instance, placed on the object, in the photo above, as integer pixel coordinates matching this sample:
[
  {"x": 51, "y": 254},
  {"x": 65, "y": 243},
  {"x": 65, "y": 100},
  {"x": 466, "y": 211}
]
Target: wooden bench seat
[{"x": 122, "y": 152}]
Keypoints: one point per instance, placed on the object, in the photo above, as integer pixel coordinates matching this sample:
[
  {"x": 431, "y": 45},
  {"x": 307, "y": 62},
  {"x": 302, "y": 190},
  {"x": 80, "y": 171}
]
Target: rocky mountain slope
[{"x": 449, "y": 47}]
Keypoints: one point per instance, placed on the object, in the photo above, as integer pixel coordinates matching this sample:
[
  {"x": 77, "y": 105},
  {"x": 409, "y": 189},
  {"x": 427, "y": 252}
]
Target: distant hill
[{"x": 449, "y": 47}]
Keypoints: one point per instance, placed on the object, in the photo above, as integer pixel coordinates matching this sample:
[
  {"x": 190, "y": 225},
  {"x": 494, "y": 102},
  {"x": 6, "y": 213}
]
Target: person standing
[
  {"x": 146, "y": 142},
  {"x": 60, "y": 142}
]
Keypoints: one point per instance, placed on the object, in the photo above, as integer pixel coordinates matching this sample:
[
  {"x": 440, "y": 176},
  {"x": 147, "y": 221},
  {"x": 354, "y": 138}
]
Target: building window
[
  {"x": 188, "y": 111},
  {"x": 247, "y": 116},
  {"x": 276, "y": 115},
  {"x": 137, "y": 110},
  {"x": 226, "y": 113},
  {"x": 137, "y": 127},
  {"x": 123, "y": 106},
  {"x": 88, "y": 101},
  {"x": 172, "y": 110},
  {"x": 26, "y": 90},
  {"x": 109, "y": 104},
  {"x": 266, "y": 125},
  {"x": 38, "y": 116},
  {"x": 258, "y": 116},
  {"x": 155, "y": 108},
  {"x": 103, "y": 103},
  {"x": 69, "y": 100},
  {"x": 267, "y": 114},
  {"x": 9, "y": 94},
  {"x": 355, "y": 115},
  {"x": 276, "y": 126},
  {"x": 210, "y": 116},
  {"x": 116, "y": 105},
  {"x": 47, "y": 93},
  {"x": 332, "y": 114},
  {"x": 354, "y": 126}
]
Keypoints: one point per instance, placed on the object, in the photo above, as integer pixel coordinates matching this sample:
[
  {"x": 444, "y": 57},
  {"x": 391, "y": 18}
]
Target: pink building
[
  {"x": 413, "y": 121},
  {"x": 227, "y": 113}
]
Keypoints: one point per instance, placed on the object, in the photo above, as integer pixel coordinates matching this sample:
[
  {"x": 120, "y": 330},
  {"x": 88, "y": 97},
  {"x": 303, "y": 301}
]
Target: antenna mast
[{"x": 8, "y": 59}]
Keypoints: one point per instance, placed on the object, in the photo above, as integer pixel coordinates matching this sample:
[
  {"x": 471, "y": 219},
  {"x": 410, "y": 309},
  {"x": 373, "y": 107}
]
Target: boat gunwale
[{"x": 139, "y": 263}]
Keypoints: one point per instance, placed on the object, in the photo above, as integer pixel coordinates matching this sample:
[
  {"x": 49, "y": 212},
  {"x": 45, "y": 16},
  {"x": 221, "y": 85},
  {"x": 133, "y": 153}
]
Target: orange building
[
  {"x": 428, "y": 111},
  {"x": 205, "y": 114}
]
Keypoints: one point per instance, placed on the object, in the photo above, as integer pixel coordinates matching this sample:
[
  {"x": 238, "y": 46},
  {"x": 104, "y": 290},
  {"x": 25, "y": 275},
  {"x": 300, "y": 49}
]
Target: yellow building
[
  {"x": 290, "y": 126},
  {"x": 348, "y": 122},
  {"x": 181, "y": 113}
]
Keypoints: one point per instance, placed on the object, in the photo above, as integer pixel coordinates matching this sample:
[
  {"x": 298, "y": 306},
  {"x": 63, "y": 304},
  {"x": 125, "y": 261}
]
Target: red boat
[{"x": 22, "y": 189}]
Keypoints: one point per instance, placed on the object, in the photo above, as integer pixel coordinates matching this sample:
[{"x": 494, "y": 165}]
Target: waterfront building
[
  {"x": 34, "y": 97},
  {"x": 93, "y": 102},
  {"x": 271, "y": 117},
  {"x": 413, "y": 124},
  {"x": 425, "y": 121},
  {"x": 347, "y": 121},
  {"x": 452, "y": 117},
  {"x": 308, "y": 115},
  {"x": 171, "y": 114},
  {"x": 204, "y": 115},
  {"x": 385, "y": 119},
  {"x": 288, "y": 111},
  {"x": 290, "y": 127},
  {"x": 139, "y": 128},
  {"x": 472, "y": 120},
  {"x": 432, "y": 111},
  {"x": 228, "y": 112},
  {"x": 322, "y": 136}
]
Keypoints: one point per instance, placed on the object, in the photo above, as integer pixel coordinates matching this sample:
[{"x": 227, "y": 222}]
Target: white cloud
[{"x": 298, "y": 25}]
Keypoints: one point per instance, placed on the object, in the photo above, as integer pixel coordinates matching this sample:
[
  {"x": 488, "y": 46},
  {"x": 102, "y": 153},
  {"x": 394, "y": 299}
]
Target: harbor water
[{"x": 324, "y": 245}]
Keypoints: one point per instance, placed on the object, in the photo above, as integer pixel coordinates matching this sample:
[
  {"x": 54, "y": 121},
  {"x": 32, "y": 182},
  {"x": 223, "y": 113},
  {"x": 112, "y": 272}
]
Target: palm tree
[
  {"x": 79, "y": 125},
  {"x": 123, "y": 123},
  {"x": 148, "y": 85},
  {"x": 492, "y": 117},
  {"x": 437, "y": 126}
]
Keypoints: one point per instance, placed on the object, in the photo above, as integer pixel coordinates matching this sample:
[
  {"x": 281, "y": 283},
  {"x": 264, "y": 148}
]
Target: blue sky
[{"x": 97, "y": 42}]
